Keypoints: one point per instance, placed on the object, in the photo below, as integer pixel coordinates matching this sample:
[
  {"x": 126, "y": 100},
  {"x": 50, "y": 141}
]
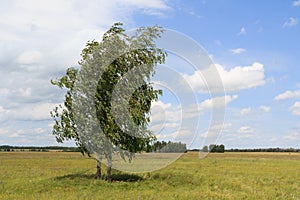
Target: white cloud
[
  {"x": 26, "y": 92},
  {"x": 245, "y": 111},
  {"x": 30, "y": 57},
  {"x": 245, "y": 129},
  {"x": 180, "y": 135},
  {"x": 295, "y": 109},
  {"x": 153, "y": 4},
  {"x": 292, "y": 136},
  {"x": 296, "y": 3},
  {"x": 215, "y": 130},
  {"x": 158, "y": 127},
  {"x": 1, "y": 109},
  {"x": 149, "y": 7},
  {"x": 3, "y": 114},
  {"x": 288, "y": 95},
  {"x": 237, "y": 51},
  {"x": 211, "y": 134},
  {"x": 192, "y": 111},
  {"x": 50, "y": 125},
  {"x": 160, "y": 104},
  {"x": 195, "y": 110},
  {"x": 164, "y": 115},
  {"x": 165, "y": 112},
  {"x": 235, "y": 79},
  {"x": 3, "y": 132},
  {"x": 14, "y": 135},
  {"x": 242, "y": 31},
  {"x": 32, "y": 112},
  {"x": 40, "y": 40},
  {"x": 223, "y": 126},
  {"x": 218, "y": 102},
  {"x": 39, "y": 130},
  {"x": 4, "y": 92},
  {"x": 265, "y": 108},
  {"x": 290, "y": 22},
  {"x": 240, "y": 78}
]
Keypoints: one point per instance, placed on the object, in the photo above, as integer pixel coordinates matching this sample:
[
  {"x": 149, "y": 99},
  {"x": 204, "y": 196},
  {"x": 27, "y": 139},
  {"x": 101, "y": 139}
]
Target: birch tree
[{"x": 108, "y": 98}]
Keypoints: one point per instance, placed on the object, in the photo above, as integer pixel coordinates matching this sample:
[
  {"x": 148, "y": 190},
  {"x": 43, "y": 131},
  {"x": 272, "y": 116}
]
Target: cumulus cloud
[
  {"x": 167, "y": 118},
  {"x": 1, "y": 109},
  {"x": 242, "y": 31},
  {"x": 3, "y": 132},
  {"x": 161, "y": 111},
  {"x": 210, "y": 134},
  {"x": 245, "y": 111},
  {"x": 39, "y": 130},
  {"x": 237, "y": 51},
  {"x": 182, "y": 135},
  {"x": 39, "y": 40},
  {"x": 290, "y": 22},
  {"x": 216, "y": 129},
  {"x": 218, "y": 102},
  {"x": 265, "y": 108},
  {"x": 25, "y": 92},
  {"x": 292, "y": 136},
  {"x": 224, "y": 126},
  {"x": 288, "y": 95},
  {"x": 164, "y": 115},
  {"x": 29, "y": 57},
  {"x": 296, "y": 3},
  {"x": 246, "y": 129},
  {"x": 295, "y": 109},
  {"x": 235, "y": 79},
  {"x": 158, "y": 4},
  {"x": 254, "y": 111},
  {"x": 32, "y": 112}
]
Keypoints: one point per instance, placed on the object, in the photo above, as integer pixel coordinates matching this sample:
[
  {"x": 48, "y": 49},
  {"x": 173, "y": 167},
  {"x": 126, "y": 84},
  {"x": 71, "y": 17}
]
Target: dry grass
[{"x": 59, "y": 175}]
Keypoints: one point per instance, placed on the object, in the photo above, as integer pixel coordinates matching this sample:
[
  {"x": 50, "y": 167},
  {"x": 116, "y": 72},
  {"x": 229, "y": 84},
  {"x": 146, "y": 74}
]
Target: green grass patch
[{"x": 59, "y": 175}]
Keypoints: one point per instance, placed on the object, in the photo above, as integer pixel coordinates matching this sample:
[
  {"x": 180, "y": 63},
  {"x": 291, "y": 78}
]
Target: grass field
[{"x": 58, "y": 175}]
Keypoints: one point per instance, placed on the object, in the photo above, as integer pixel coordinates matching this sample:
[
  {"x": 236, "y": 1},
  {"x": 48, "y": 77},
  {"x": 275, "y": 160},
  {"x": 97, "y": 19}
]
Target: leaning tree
[{"x": 108, "y": 98}]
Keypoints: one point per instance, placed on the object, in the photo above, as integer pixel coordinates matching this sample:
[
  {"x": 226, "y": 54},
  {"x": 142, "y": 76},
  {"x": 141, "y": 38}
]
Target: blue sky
[{"x": 254, "y": 45}]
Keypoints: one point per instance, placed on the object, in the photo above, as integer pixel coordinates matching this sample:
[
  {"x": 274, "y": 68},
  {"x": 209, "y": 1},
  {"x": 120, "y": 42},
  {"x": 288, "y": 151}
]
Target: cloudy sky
[{"x": 254, "y": 45}]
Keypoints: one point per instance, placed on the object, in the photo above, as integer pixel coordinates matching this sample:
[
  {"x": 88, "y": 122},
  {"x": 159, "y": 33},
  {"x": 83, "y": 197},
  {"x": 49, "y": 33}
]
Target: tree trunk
[
  {"x": 109, "y": 165},
  {"x": 98, "y": 173}
]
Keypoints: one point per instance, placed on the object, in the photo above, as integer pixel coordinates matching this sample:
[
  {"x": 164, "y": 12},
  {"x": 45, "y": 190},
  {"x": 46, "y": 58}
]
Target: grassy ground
[{"x": 57, "y": 175}]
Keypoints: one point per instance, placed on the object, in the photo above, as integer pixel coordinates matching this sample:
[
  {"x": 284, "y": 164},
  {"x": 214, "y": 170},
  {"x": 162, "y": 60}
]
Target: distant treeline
[
  {"x": 168, "y": 147},
  {"x": 213, "y": 148},
  {"x": 206, "y": 149},
  {"x": 35, "y": 148},
  {"x": 264, "y": 150},
  {"x": 157, "y": 147},
  {"x": 160, "y": 147}
]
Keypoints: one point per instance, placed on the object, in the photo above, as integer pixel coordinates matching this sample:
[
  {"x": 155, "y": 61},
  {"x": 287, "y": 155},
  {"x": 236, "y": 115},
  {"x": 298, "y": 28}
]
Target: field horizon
[{"x": 69, "y": 175}]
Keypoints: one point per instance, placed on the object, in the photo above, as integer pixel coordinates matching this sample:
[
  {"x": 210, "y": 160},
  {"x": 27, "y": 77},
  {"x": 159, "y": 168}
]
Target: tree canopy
[{"x": 107, "y": 104}]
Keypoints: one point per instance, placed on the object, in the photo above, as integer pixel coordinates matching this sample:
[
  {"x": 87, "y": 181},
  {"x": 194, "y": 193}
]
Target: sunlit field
[{"x": 58, "y": 175}]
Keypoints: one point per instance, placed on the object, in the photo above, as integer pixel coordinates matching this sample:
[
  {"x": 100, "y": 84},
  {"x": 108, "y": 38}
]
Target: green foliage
[
  {"x": 65, "y": 126},
  {"x": 168, "y": 147},
  {"x": 214, "y": 148},
  {"x": 136, "y": 55},
  {"x": 205, "y": 149},
  {"x": 114, "y": 77}
]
